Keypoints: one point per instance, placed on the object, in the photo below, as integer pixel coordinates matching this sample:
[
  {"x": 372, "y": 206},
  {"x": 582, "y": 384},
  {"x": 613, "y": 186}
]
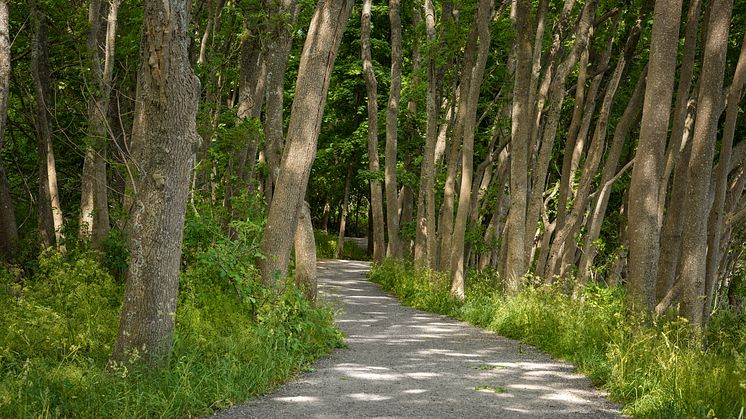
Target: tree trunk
[
  {"x": 314, "y": 73},
  {"x": 698, "y": 194},
  {"x": 278, "y": 51},
  {"x": 394, "y": 249},
  {"x": 94, "y": 206},
  {"x": 50, "y": 213},
  {"x": 516, "y": 264},
  {"x": 715, "y": 222},
  {"x": 376, "y": 195},
  {"x": 305, "y": 255},
  {"x": 424, "y": 251},
  {"x": 644, "y": 225},
  {"x": 476, "y": 74},
  {"x": 164, "y": 142},
  {"x": 629, "y": 118},
  {"x": 344, "y": 212},
  {"x": 8, "y": 227}
]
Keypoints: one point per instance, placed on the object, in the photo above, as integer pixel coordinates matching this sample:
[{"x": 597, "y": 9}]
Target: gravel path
[{"x": 405, "y": 363}]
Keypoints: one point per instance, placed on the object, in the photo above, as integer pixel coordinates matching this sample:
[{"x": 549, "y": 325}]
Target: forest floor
[{"x": 405, "y": 363}]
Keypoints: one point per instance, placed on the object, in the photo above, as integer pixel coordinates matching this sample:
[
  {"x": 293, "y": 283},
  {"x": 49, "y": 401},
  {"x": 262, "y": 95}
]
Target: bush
[{"x": 657, "y": 370}]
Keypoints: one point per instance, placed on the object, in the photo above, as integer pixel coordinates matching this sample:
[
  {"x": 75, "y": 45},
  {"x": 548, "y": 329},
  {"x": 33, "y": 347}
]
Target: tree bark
[
  {"x": 277, "y": 53},
  {"x": 371, "y": 86},
  {"x": 344, "y": 212},
  {"x": 314, "y": 73},
  {"x": 698, "y": 194},
  {"x": 644, "y": 225},
  {"x": 425, "y": 240},
  {"x": 715, "y": 221},
  {"x": 305, "y": 255},
  {"x": 50, "y": 213},
  {"x": 394, "y": 249},
  {"x": 516, "y": 264},
  {"x": 476, "y": 74},
  {"x": 8, "y": 226},
  {"x": 164, "y": 143},
  {"x": 94, "y": 206}
]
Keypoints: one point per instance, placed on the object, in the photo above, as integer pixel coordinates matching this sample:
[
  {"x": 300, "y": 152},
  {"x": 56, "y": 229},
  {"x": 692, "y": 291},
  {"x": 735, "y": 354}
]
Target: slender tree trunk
[
  {"x": 629, "y": 118},
  {"x": 476, "y": 74},
  {"x": 164, "y": 143},
  {"x": 278, "y": 52},
  {"x": 8, "y": 227},
  {"x": 715, "y": 222},
  {"x": 319, "y": 52},
  {"x": 516, "y": 264},
  {"x": 644, "y": 225},
  {"x": 698, "y": 194},
  {"x": 394, "y": 249},
  {"x": 425, "y": 241},
  {"x": 305, "y": 255},
  {"x": 50, "y": 213},
  {"x": 376, "y": 195},
  {"x": 94, "y": 207},
  {"x": 344, "y": 212}
]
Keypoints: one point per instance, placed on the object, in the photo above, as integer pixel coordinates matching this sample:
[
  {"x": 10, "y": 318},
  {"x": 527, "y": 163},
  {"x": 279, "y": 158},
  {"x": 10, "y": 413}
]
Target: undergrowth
[
  {"x": 656, "y": 371},
  {"x": 326, "y": 247},
  {"x": 231, "y": 342}
]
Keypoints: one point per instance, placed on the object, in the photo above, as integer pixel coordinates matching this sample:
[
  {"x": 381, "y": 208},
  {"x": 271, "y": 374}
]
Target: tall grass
[
  {"x": 656, "y": 370},
  {"x": 231, "y": 341}
]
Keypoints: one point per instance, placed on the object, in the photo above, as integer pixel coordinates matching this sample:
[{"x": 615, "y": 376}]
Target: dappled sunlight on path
[{"x": 402, "y": 362}]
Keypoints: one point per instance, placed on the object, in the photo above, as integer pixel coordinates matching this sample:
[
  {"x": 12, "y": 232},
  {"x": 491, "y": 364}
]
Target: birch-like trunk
[{"x": 8, "y": 226}]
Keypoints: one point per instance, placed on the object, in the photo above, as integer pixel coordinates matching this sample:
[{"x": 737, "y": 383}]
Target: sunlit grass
[{"x": 657, "y": 371}]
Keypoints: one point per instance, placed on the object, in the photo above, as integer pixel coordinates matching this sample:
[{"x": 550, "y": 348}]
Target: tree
[
  {"x": 50, "y": 212},
  {"x": 376, "y": 195},
  {"x": 394, "y": 249},
  {"x": 516, "y": 264},
  {"x": 8, "y": 227},
  {"x": 164, "y": 142},
  {"x": 697, "y": 202},
  {"x": 316, "y": 63},
  {"x": 94, "y": 206},
  {"x": 644, "y": 225}
]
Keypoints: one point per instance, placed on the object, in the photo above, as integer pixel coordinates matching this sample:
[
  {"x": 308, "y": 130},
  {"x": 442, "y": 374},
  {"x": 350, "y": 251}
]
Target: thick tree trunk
[
  {"x": 8, "y": 227},
  {"x": 715, "y": 222},
  {"x": 305, "y": 255},
  {"x": 50, "y": 213},
  {"x": 394, "y": 249},
  {"x": 94, "y": 205},
  {"x": 164, "y": 142},
  {"x": 282, "y": 14},
  {"x": 698, "y": 194},
  {"x": 314, "y": 73},
  {"x": 644, "y": 225},
  {"x": 371, "y": 86},
  {"x": 516, "y": 264}
]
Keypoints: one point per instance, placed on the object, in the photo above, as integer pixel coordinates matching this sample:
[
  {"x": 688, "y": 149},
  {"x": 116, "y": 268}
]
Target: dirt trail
[{"x": 405, "y": 363}]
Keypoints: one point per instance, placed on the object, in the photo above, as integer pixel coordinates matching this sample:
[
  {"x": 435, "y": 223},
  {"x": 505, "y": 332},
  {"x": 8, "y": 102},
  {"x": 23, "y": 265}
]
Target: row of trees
[{"x": 513, "y": 152}]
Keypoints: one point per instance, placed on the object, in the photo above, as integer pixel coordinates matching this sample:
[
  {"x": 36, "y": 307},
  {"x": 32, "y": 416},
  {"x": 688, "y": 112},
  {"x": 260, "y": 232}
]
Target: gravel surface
[{"x": 405, "y": 363}]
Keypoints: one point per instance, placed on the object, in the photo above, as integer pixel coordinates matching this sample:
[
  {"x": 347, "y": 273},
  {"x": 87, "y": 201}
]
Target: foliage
[
  {"x": 326, "y": 247},
  {"x": 656, "y": 370},
  {"x": 60, "y": 324}
]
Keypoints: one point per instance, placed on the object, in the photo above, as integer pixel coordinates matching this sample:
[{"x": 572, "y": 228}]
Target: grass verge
[{"x": 656, "y": 371}]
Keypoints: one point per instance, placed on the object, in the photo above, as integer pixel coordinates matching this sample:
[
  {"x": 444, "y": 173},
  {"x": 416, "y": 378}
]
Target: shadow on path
[{"x": 405, "y": 363}]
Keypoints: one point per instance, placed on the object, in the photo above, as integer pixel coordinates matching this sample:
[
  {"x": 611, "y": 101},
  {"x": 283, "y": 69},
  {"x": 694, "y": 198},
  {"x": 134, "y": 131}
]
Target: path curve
[{"x": 405, "y": 363}]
